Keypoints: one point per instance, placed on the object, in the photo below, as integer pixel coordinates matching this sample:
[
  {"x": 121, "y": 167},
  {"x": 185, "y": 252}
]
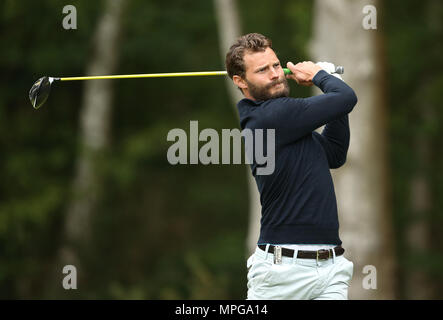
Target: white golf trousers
[{"x": 299, "y": 279}]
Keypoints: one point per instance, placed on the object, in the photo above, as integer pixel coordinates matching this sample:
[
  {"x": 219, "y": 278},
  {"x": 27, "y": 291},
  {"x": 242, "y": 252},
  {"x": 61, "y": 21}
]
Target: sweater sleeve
[
  {"x": 335, "y": 141},
  {"x": 294, "y": 118}
]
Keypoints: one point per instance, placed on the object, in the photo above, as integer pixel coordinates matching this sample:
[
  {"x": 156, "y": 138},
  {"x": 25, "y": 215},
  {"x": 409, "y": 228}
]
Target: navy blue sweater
[{"x": 298, "y": 199}]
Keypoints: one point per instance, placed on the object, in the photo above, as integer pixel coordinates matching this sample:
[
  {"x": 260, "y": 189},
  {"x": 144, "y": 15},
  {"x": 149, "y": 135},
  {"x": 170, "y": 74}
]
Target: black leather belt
[{"x": 321, "y": 254}]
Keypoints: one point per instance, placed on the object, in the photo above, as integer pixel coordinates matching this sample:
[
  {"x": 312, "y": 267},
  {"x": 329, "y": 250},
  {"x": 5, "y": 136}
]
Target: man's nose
[{"x": 274, "y": 74}]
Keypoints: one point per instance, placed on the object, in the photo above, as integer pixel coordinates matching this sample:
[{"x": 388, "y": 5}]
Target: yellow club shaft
[{"x": 148, "y": 75}]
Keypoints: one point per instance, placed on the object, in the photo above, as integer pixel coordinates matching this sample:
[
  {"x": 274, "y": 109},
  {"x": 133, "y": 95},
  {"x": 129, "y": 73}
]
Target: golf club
[{"x": 40, "y": 90}]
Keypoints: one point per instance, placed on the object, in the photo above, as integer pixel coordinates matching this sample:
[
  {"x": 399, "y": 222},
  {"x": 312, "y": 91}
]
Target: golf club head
[{"x": 40, "y": 91}]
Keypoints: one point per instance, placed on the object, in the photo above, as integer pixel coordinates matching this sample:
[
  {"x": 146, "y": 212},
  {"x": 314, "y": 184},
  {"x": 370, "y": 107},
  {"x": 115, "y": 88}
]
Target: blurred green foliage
[
  {"x": 162, "y": 231},
  {"x": 414, "y": 46}
]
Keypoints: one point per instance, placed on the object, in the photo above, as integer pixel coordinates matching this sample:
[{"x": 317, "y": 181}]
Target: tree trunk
[
  {"x": 229, "y": 29},
  {"x": 95, "y": 118},
  {"x": 362, "y": 185}
]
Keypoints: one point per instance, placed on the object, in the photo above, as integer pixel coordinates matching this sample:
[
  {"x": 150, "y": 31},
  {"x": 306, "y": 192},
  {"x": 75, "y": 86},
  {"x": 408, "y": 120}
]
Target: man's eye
[{"x": 277, "y": 65}]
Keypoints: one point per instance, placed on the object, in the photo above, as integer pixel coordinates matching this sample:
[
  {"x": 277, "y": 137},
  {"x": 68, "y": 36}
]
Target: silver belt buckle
[{"x": 277, "y": 255}]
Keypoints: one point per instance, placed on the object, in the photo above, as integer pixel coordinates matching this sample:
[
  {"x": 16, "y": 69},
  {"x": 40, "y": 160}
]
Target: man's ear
[{"x": 239, "y": 82}]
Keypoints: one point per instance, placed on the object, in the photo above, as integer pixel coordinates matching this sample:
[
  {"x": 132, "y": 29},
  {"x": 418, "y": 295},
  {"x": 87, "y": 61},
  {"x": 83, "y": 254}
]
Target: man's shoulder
[
  {"x": 248, "y": 103},
  {"x": 257, "y": 114},
  {"x": 247, "y": 108}
]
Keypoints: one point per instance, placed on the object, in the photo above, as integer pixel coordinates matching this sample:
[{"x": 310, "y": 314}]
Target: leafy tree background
[{"x": 177, "y": 232}]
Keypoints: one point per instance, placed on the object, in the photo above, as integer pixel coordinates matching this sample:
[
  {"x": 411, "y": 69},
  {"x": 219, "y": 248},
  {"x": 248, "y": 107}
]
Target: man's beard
[{"x": 262, "y": 92}]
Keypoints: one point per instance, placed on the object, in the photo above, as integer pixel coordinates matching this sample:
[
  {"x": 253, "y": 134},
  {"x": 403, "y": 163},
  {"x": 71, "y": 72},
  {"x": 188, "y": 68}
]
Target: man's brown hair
[{"x": 252, "y": 42}]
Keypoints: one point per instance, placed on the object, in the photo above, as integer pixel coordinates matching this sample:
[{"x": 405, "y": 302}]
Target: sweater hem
[{"x": 299, "y": 234}]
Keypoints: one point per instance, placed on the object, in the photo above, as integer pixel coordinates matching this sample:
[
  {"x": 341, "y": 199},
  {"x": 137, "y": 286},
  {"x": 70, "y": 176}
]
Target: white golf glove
[{"x": 329, "y": 68}]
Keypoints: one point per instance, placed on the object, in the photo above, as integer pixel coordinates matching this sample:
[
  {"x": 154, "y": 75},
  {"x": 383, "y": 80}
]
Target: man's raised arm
[{"x": 294, "y": 118}]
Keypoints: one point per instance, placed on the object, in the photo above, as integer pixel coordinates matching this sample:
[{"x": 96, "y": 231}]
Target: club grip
[{"x": 338, "y": 69}]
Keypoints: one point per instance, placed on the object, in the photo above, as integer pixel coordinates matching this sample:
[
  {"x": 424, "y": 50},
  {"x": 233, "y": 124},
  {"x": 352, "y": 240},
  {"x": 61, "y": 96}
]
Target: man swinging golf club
[{"x": 299, "y": 253}]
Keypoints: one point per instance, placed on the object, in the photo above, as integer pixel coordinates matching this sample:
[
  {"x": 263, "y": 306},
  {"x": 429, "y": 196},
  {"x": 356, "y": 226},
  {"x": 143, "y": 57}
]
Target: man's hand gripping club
[{"x": 304, "y": 72}]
